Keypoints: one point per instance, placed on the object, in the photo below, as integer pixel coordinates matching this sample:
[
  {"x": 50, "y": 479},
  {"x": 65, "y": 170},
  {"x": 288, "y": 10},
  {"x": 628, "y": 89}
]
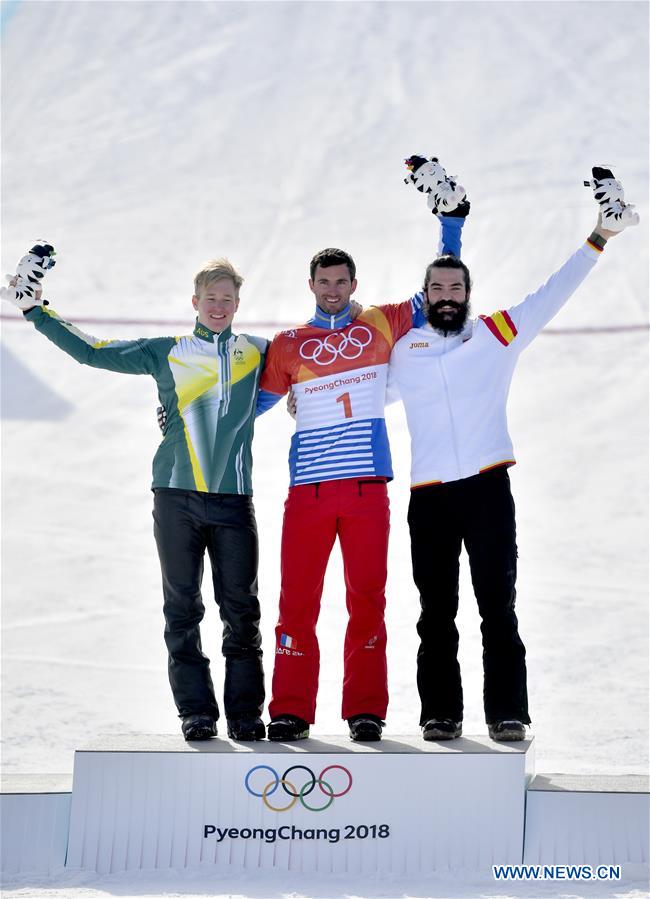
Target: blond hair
[{"x": 213, "y": 271}]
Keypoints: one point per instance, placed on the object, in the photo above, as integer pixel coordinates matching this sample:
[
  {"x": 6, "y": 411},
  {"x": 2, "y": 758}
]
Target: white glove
[
  {"x": 447, "y": 196},
  {"x": 617, "y": 216},
  {"x": 26, "y": 283}
]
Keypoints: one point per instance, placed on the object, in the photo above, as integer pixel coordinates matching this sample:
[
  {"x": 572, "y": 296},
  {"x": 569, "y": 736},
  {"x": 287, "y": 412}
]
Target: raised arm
[
  {"x": 539, "y": 307},
  {"x": 25, "y": 292},
  {"x": 131, "y": 357},
  {"x": 447, "y": 200}
]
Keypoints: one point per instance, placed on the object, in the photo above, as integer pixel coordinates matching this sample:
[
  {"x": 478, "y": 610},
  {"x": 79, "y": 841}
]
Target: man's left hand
[
  {"x": 291, "y": 404},
  {"x": 605, "y": 233}
]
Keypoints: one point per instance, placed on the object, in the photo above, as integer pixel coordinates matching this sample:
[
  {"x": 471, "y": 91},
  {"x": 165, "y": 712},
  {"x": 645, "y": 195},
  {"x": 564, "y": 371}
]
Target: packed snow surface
[{"x": 142, "y": 138}]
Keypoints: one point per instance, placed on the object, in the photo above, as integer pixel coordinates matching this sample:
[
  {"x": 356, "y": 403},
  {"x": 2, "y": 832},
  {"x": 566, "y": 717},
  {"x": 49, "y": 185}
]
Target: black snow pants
[
  {"x": 478, "y": 511},
  {"x": 186, "y": 524}
]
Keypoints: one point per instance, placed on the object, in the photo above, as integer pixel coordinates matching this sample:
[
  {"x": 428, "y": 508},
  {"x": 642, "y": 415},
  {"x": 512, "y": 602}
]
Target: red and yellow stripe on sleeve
[
  {"x": 501, "y": 325},
  {"x": 595, "y": 246}
]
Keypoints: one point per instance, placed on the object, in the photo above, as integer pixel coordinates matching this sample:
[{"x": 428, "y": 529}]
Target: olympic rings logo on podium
[
  {"x": 347, "y": 346},
  {"x": 298, "y": 794}
]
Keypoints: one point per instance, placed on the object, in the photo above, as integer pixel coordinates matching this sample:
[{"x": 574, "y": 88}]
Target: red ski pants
[{"x": 356, "y": 510}]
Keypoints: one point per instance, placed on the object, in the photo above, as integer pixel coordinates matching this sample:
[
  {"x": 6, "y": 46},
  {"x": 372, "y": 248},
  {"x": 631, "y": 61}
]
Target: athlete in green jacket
[{"x": 208, "y": 383}]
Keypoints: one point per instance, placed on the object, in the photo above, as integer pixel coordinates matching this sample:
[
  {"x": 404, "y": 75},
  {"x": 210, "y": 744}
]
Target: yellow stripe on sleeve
[{"x": 375, "y": 317}]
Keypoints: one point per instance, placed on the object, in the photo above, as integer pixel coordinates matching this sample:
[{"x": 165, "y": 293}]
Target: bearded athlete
[{"x": 454, "y": 374}]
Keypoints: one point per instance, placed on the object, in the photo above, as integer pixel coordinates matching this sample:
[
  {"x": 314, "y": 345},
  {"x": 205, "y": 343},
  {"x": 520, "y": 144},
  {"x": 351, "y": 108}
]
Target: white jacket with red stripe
[{"x": 455, "y": 387}]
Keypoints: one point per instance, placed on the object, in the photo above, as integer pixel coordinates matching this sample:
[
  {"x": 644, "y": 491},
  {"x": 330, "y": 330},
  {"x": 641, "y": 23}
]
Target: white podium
[
  {"x": 593, "y": 820},
  {"x": 397, "y": 806},
  {"x": 34, "y": 819}
]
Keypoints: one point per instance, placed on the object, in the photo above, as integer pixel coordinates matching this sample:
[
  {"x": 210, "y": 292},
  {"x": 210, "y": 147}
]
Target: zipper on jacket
[{"x": 454, "y": 439}]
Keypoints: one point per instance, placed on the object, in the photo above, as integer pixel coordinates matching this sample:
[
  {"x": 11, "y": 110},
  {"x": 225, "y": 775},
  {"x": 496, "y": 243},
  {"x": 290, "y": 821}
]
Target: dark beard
[{"x": 448, "y": 324}]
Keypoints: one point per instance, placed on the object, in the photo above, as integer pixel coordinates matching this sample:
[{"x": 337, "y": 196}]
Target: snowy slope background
[{"x": 143, "y": 138}]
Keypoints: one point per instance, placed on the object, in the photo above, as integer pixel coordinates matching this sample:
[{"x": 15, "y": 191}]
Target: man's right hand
[
  {"x": 161, "y": 415},
  {"x": 17, "y": 295}
]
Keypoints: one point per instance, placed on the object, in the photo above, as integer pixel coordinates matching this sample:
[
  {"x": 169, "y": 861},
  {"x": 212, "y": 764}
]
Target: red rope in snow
[{"x": 186, "y": 323}]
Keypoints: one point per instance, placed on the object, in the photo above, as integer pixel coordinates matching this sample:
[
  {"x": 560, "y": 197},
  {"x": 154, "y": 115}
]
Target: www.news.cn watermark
[{"x": 556, "y": 872}]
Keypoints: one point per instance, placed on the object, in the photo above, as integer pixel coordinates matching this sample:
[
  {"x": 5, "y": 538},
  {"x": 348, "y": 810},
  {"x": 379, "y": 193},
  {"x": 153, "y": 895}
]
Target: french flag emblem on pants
[{"x": 289, "y": 642}]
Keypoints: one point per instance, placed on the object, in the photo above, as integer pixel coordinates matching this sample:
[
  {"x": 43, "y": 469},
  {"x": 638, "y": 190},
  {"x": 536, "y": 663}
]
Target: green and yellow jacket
[{"x": 208, "y": 384}]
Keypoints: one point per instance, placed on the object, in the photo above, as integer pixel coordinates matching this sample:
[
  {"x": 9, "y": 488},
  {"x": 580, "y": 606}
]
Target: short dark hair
[
  {"x": 332, "y": 256},
  {"x": 448, "y": 261}
]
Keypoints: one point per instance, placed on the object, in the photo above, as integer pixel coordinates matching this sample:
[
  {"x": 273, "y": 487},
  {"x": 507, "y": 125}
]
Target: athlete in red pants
[{"x": 340, "y": 464}]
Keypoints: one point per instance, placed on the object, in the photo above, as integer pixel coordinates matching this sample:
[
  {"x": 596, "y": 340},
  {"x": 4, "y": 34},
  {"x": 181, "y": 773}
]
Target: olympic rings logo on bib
[
  {"x": 297, "y": 793},
  {"x": 347, "y": 346}
]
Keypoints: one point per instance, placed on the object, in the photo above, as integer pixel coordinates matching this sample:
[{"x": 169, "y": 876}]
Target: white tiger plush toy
[
  {"x": 616, "y": 213},
  {"x": 29, "y": 274},
  {"x": 444, "y": 194}
]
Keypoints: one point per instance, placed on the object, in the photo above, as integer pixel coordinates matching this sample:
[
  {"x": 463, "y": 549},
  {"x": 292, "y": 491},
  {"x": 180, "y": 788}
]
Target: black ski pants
[
  {"x": 186, "y": 524},
  {"x": 478, "y": 511}
]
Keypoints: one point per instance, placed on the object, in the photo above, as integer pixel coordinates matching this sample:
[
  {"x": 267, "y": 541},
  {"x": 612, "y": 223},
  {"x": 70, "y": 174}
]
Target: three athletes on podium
[{"x": 453, "y": 374}]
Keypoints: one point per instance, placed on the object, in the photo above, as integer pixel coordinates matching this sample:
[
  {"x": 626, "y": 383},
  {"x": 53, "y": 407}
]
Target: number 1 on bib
[{"x": 347, "y": 405}]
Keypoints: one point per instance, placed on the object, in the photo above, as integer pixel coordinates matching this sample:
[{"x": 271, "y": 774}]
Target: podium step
[
  {"x": 34, "y": 821},
  {"x": 325, "y": 804},
  {"x": 595, "y": 820}
]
